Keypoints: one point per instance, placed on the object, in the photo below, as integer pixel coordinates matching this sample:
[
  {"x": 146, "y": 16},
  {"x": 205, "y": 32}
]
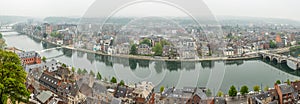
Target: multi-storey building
[{"x": 29, "y": 58}]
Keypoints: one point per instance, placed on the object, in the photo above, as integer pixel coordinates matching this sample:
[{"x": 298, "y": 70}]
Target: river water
[{"x": 211, "y": 74}]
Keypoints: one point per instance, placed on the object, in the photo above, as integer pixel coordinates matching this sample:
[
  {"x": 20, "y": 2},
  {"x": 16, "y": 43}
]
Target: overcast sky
[{"x": 69, "y": 8}]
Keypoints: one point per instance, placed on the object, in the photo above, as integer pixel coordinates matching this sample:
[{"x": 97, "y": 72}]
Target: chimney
[{"x": 173, "y": 89}]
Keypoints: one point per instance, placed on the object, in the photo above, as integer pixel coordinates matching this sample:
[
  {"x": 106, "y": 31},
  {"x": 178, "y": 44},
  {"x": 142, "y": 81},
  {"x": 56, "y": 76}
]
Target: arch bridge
[{"x": 292, "y": 62}]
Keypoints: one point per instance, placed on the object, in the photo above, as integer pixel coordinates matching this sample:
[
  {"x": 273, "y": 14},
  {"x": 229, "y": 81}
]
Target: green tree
[
  {"x": 288, "y": 81},
  {"x": 99, "y": 77},
  {"x": 39, "y": 28},
  {"x": 266, "y": 88},
  {"x": 113, "y": 80},
  {"x": 122, "y": 83},
  {"x": 13, "y": 77},
  {"x": 146, "y": 41},
  {"x": 64, "y": 65},
  {"x": 84, "y": 71},
  {"x": 0, "y": 35},
  {"x": 229, "y": 36},
  {"x": 278, "y": 82},
  {"x": 220, "y": 94},
  {"x": 73, "y": 69},
  {"x": 208, "y": 92},
  {"x": 256, "y": 88},
  {"x": 158, "y": 49},
  {"x": 53, "y": 34},
  {"x": 133, "y": 49},
  {"x": 79, "y": 71},
  {"x": 162, "y": 88},
  {"x": 244, "y": 90},
  {"x": 294, "y": 48},
  {"x": 232, "y": 91},
  {"x": 2, "y": 43},
  {"x": 92, "y": 73},
  {"x": 56, "y": 35},
  {"x": 45, "y": 35},
  {"x": 44, "y": 59},
  {"x": 164, "y": 42},
  {"x": 272, "y": 44}
]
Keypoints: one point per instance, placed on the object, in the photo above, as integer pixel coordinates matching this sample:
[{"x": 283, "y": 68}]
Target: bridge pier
[
  {"x": 298, "y": 66},
  {"x": 263, "y": 56},
  {"x": 281, "y": 60}
]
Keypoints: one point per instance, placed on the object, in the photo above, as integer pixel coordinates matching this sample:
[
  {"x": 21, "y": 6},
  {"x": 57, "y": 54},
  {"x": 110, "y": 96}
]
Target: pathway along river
[{"x": 179, "y": 74}]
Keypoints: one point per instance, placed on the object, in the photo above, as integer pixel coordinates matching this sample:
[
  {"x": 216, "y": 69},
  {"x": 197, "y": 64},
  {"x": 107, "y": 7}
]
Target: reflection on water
[
  {"x": 234, "y": 62},
  {"x": 207, "y": 64},
  {"x": 168, "y": 73},
  {"x": 283, "y": 67},
  {"x": 132, "y": 63}
]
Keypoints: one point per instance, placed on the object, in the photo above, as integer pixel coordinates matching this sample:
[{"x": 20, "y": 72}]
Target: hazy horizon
[{"x": 76, "y": 8}]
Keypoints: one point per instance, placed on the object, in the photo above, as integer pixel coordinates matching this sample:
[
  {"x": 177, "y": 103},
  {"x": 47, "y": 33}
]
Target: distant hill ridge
[
  {"x": 221, "y": 20},
  {"x": 11, "y": 19}
]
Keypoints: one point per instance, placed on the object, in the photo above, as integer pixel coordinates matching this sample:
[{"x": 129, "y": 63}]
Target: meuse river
[{"x": 212, "y": 74}]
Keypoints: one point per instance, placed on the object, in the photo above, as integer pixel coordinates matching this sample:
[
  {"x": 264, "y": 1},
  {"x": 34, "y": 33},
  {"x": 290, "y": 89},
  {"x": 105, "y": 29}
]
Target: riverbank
[
  {"x": 162, "y": 58},
  {"x": 145, "y": 57}
]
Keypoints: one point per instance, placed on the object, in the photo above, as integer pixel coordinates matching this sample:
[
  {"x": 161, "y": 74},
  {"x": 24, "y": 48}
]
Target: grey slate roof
[
  {"x": 44, "y": 96},
  {"x": 28, "y": 54},
  {"x": 69, "y": 89},
  {"x": 178, "y": 93},
  {"x": 86, "y": 90},
  {"x": 120, "y": 92},
  {"x": 51, "y": 65},
  {"x": 189, "y": 89},
  {"x": 99, "y": 88},
  {"x": 201, "y": 94},
  {"x": 116, "y": 101},
  {"x": 285, "y": 89},
  {"x": 167, "y": 92},
  {"x": 83, "y": 80},
  {"x": 49, "y": 81},
  {"x": 219, "y": 100},
  {"x": 274, "y": 102},
  {"x": 36, "y": 73},
  {"x": 91, "y": 100}
]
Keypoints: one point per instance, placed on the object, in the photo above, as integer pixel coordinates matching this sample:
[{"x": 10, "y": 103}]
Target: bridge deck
[
  {"x": 49, "y": 49},
  {"x": 281, "y": 56}
]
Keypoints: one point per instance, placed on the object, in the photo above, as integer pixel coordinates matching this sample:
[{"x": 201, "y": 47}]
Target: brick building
[{"x": 29, "y": 58}]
